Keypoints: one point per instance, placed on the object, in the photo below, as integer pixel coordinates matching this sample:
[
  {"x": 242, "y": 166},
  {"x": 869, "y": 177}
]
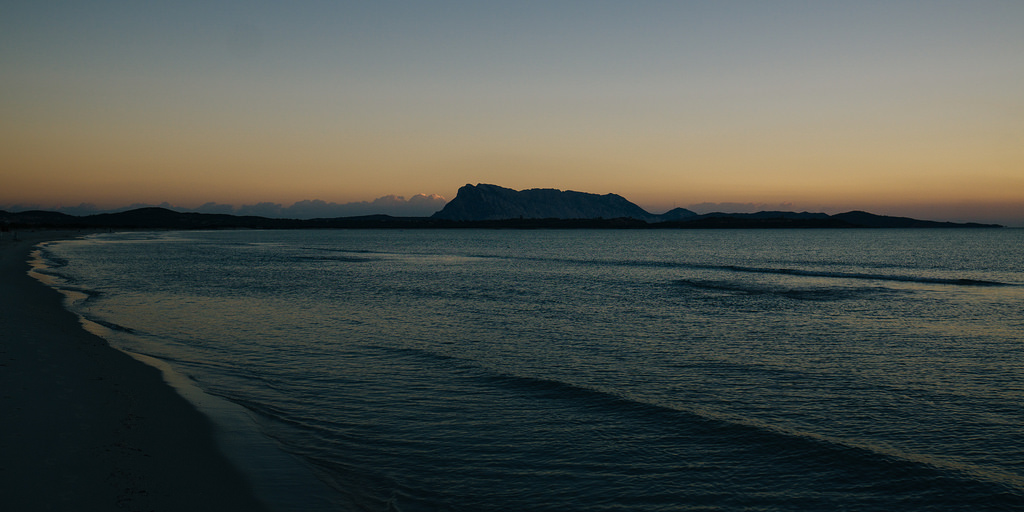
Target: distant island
[{"x": 484, "y": 206}]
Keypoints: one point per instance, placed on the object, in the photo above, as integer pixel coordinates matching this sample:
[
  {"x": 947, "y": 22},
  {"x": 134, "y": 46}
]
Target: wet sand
[{"x": 86, "y": 427}]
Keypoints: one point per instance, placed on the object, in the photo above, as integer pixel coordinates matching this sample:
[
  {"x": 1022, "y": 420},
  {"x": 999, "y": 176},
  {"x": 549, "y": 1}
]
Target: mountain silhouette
[{"x": 484, "y": 202}]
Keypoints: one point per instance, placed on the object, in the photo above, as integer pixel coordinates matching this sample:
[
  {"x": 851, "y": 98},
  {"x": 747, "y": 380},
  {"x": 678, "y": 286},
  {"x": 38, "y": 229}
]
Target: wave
[
  {"x": 46, "y": 263},
  {"x": 857, "y": 275},
  {"x": 332, "y": 249},
  {"x": 807, "y": 294},
  {"x": 910, "y": 473},
  {"x": 111, "y": 325},
  {"x": 954, "y": 281},
  {"x": 87, "y": 293},
  {"x": 855, "y": 462},
  {"x": 52, "y": 261},
  {"x": 340, "y": 259}
]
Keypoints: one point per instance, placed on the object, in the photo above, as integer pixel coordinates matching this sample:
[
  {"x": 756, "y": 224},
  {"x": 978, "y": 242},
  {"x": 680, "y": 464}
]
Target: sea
[{"x": 584, "y": 370}]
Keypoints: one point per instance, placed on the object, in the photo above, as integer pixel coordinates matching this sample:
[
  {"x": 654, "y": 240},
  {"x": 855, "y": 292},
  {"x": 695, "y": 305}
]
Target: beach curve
[{"x": 87, "y": 427}]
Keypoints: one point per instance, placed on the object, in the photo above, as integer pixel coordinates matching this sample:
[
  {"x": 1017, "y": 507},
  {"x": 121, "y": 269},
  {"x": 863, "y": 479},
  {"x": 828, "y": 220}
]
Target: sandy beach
[{"x": 87, "y": 427}]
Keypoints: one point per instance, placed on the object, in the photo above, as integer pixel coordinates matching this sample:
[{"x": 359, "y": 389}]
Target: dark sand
[{"x": 86, "y": 427}]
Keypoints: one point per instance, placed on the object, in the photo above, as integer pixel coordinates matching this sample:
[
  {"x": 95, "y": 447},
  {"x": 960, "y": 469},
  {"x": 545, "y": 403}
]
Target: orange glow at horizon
[{"x": 855, "y": 105}]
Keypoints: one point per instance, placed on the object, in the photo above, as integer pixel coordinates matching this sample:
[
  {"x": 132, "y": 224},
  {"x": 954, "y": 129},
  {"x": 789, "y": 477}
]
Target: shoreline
[{"x": 88, "y": 427}]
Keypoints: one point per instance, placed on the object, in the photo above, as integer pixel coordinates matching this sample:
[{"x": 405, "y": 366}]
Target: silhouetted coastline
[
  {"x": 162, "y": 218},
  {"x": 484, "y": 206}
]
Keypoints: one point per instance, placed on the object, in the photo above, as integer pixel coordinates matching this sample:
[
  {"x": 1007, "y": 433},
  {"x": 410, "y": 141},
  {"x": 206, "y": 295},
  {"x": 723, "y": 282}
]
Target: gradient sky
[{"x": 899, "y": 107}]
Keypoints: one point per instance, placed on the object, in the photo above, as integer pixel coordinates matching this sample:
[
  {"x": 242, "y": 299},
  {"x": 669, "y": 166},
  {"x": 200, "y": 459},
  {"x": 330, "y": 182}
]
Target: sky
[{"x": 897, "y": 107}]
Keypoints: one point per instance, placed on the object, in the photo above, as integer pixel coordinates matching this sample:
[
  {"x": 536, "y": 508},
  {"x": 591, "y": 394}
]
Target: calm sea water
[{"x": 596, "y": 370}]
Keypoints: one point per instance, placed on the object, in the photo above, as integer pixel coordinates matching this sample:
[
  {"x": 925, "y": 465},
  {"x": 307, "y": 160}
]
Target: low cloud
[
  {"x": 261, "y": 210},
  {"x": 216, "y": 208},
  {"x": 420, "y": 205},
  {"x": 703, "y": 208}
]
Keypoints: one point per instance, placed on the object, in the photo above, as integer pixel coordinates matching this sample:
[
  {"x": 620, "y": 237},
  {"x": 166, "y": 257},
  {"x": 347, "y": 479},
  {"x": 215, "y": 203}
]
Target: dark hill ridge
[
  {"x": 859, "y": 218},
  {"x": 483, "y": 206}
]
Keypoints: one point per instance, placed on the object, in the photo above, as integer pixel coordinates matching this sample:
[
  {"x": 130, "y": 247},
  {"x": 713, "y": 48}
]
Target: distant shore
[
  {"x": 87, "y": 427},
  {"x": 164, "y": 219}
]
